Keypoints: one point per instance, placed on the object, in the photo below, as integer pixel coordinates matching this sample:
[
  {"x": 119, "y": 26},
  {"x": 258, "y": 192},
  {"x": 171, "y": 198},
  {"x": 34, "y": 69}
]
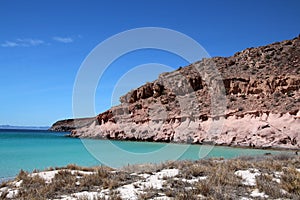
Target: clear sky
[{"x": 43, "y": 43}]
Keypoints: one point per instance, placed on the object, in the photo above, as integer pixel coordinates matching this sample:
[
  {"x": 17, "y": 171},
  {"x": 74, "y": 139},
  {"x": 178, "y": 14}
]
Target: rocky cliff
[{"x": 249, "y": 99}]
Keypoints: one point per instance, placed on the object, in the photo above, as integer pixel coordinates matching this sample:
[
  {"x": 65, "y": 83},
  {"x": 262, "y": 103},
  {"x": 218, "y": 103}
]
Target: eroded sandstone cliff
[{"x": 249, "y": 99}]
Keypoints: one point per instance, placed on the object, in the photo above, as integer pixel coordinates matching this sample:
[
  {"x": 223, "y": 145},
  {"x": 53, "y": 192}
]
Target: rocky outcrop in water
[{"x": 249, "y": 99}]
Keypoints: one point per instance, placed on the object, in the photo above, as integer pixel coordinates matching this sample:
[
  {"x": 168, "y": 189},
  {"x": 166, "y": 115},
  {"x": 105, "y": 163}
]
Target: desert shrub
[
  {"x": 110, "y": 183},
  {"x": 85, "y": 197},
  {"x": 3, "y": 184},
  {"x": 32, "y": 187},
  {"x": 290, "y": 181},
  {"x": 98, "y": 178},
  {"x": 3, "y": 195},
  {"x": 269, "y": 165},
  {"x": 146, "y": 168},
  {"x": 114, "y": 195},
  {"x": 209, "y": 191},
  {"x": 105, "y": 179},
  {"x": 237, "y": 164},
  {"x": 87, "y": 182},
  {"x": 204, "y": 188},
  {"x": 148, "y": 193},
  {"x": 266, "y": 184},
  {"x": 102, "y": 172},
  {"x": 185, "y": 195},
  {"x": 168, "y": 192},
  {"x": 221, "y": 183},
  {"x": 223, "y": 177},
  {"x": 195, "y": 171},
  {"x": 22, "y": 175},
  {"x": 64, "y": 182},
  {"x": 179, "y": 189},
  {"x": 73, "y": 167}
]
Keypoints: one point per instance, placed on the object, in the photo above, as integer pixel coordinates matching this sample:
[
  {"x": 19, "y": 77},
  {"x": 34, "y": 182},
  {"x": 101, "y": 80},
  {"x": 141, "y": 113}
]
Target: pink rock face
[
  {"x": 261, "y": 101},
  {"x": 250, "y": 130}
]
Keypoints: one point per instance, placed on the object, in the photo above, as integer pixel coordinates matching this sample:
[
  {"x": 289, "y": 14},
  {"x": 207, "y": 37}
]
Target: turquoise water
[{"x": 29, "y": 150}]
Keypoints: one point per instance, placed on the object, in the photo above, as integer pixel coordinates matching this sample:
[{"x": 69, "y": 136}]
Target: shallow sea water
[{"x": 29, "y": 150}]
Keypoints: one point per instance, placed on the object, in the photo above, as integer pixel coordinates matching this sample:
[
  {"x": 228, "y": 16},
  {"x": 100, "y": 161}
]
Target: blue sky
[{"x": 43, "y": 44}]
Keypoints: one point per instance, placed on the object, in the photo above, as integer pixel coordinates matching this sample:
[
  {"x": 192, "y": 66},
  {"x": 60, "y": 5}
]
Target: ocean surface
[{"x": 34, "y": 149}]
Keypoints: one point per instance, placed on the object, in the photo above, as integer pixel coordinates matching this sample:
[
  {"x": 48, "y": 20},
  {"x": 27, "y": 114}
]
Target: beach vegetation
[{"x": 274, "y": 176}]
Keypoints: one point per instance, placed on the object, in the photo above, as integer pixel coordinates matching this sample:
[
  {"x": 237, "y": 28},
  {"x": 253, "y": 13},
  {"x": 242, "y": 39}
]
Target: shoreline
[{"x": 180, "y": 143}]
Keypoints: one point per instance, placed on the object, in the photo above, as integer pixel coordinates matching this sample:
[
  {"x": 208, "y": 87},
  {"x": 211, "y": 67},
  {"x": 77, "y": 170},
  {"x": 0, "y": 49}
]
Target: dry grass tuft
[
  {"x": 219, "y": 182},
  {"x": 32, "y": 187},
  {"x": 290, "y": 181},
  {"x": 266, "y": 184},
  {"x": 148, "y": 193}
]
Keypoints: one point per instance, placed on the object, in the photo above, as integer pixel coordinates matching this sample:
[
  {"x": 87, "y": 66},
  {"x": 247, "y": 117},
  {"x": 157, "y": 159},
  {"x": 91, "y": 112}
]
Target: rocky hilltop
[
  {"x": 71, "y": 124},
  {"x": 249, "y": 99}
]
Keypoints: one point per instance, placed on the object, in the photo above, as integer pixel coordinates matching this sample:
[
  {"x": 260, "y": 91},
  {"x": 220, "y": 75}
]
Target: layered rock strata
[{"x": 249, "y": 99}]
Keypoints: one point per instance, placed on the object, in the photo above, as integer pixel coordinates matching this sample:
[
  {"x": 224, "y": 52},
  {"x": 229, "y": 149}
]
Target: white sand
[
  {"x": 129, "y": 191},
  {"x": 255, "y": 193},
  {"x": 84, "y": 194},
  {"x": 12, "y": 193},
  {"x": 248, "y": 176},
  {"x": 155, "y": 181},
  {"x": 49, "y": 175}
]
